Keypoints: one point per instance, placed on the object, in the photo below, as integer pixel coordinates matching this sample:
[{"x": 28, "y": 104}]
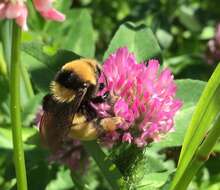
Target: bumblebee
[{"x": 67, "y": 110}]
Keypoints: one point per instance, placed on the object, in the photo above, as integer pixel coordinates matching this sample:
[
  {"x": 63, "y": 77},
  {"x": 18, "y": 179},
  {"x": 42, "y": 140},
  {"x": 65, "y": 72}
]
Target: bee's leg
[
  {"x": 90, "y": 130},
  {"x": 82, "y": 129},
  {"x": 110, "y": 123},
  {"x": 89, "y": 111}
]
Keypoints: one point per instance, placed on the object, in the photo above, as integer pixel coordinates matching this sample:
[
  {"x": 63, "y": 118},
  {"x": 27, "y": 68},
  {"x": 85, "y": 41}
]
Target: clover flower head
[
  {"x": 140, "y": 95},
  {"x": 14, "y": 9},
  {"x": 17, "y": 9}
]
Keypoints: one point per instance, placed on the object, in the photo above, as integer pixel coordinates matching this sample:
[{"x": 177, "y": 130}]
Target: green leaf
[
  {"x": 23, "y": 94},
  {"x": 80, "y": 38},
  {"x": 3, "y": 65},
  {"x": 54, "y": 61},
  {"x": 6, "y": 137},
  {"x": 204, "y": 115},
  {"x": 179, "y": 63},
  {"x": 154, "y": 181},
  {"x": 63, "y": 6},
  {"x": 138, "y": 39},
  {"x": 30, "y": 109},
  {"x": 153, "y": 171},
  {"x": 45, "y": 65},
  {"x": 63, "y": 180},
  {"x": 202, "y": 154},
  {"x": 39, "y": 168},
  {"x": 207, "y": 33},
  {"x": 4, "y": 97},
  {"x": 217, "y": 147},
  {"x": 75, "y": 34},
  {"x": 164, "y": 38},
  {"x": 187, "y": 18},
  {"x": 5, "y": 37}
]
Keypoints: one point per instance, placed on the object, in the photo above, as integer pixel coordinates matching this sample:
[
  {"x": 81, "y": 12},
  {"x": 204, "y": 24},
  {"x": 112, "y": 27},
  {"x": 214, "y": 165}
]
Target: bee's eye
[{"x": 101, "y": 86}]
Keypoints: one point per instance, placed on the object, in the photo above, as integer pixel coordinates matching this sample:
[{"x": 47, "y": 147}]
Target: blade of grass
[
  {"x": 3, "y": 65},
  {"x": 201, "y": 156},
  {"x": 27, "y": 81},
  {"x": 205, "y": 100},
  {"x": 5, "y": 33},
  {"x": 204, "y": 115}
]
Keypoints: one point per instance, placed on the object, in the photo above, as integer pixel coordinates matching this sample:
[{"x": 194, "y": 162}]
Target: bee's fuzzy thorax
[
  {"x": 60, "y": 93},
  {"x": 85, "y": 69}
]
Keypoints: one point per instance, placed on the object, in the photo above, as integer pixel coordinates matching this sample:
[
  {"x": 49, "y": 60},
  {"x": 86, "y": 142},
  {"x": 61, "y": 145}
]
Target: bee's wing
[
  {"x": 62, "y": 112},
  {"x": 49, "y": 134},
  {"x": 54, "y": 130},
  {"x": 54, "y": 122},
  {"x": 57, "y": 119}
]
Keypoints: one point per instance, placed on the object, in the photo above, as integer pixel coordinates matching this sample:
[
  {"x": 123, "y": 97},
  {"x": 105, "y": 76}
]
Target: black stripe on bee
[{"x": 69, "y": 80}]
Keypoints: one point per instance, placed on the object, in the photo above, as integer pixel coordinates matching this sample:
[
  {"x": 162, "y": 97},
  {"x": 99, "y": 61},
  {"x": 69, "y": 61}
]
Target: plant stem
[
  {"x": 107, "y": 167},
  {"x": 15, "y": 109},
  {"x": 201, "y": 156}
]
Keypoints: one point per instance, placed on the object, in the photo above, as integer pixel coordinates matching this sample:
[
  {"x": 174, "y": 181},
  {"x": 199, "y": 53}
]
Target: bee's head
[{"x": 74, "y": 76}]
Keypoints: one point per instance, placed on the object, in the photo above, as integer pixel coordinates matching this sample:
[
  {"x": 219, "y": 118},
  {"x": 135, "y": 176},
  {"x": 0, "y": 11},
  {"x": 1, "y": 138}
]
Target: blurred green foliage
[{"x": 182, "y": 29}]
